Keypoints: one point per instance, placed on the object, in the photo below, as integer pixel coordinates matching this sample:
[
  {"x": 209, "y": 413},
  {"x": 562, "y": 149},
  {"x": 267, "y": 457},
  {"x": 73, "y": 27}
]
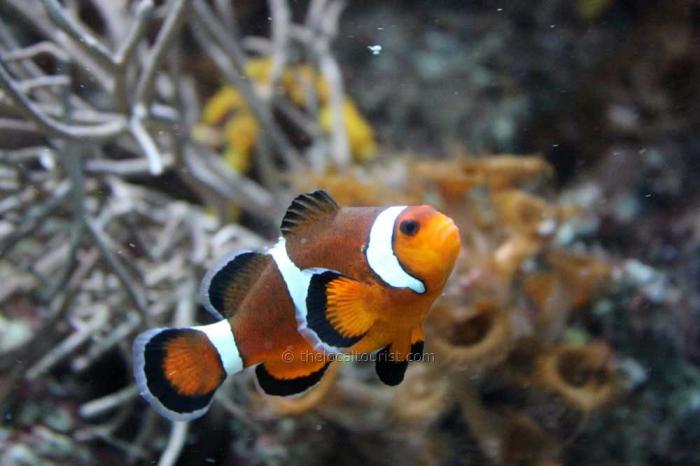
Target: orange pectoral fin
[
  {"x": 280, "y": 378},
  {"x": 336, "y": 308}
]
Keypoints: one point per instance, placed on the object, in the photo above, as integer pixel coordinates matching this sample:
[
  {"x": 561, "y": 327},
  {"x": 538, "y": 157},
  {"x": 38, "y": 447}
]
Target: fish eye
[{"x": 409, "y": 227}]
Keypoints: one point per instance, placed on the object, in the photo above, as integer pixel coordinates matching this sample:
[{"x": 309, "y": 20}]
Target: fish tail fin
[{"x": 178, "y": 370}]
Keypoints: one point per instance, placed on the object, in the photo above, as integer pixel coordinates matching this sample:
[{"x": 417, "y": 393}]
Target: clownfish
[{"x": 348, "y": 280}]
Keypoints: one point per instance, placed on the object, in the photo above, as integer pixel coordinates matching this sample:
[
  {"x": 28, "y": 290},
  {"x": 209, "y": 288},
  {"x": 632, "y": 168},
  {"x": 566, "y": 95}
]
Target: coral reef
[{"x": 503, "y": 321}]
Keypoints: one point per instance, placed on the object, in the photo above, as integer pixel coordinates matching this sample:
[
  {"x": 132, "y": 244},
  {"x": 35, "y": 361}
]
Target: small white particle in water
[
  {"x": 555, "y": 145},
  {"x": 639, "y": 272},
  {"x": 547, "y": 227},
  {"x": 552, "y": 26},
  {"x": 132, "y": 245},
  {"x": 380, "y": 29},
  {"x": 375, "y": 49},
  {"x": 47, "y": 160},
  {"x": 499, "y": 9},
  {"x": 647, "y": 195}
]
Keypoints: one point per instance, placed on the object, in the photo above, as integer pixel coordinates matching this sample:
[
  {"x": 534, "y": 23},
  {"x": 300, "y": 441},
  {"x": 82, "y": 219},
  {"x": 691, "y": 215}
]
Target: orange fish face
[{"x": 426, "y": 243}]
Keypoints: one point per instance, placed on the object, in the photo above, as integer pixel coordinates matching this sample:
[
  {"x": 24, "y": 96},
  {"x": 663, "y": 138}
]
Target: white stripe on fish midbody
[{"x": 297, "y": 282}]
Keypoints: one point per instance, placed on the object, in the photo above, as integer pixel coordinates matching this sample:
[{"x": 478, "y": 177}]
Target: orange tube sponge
[
  {"x": 423, "y": 395},
  {"x": 510, "y": 255},
  {"x": 526, "y": 443},
  {"x": 451, "y": 181},
  {"x": 582, "y": 375},
  {"x": 353, "y": 189},
  {"x": 584, "y": 274},
  {"x": 504, "y": 171},
  {"x": 524, "y": 213},
  {"x": 469, "y": 338},
  {"x": 539, "y": 287}
]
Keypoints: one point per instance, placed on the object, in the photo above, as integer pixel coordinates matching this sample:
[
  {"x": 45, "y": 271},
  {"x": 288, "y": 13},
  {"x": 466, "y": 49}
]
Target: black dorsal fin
[
  {"x": 307, "y": 209},
  {"x": 228, "y": 282}
]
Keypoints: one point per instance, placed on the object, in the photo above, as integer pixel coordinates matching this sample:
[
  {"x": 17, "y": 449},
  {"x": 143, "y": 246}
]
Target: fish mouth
[{"x": 447, "y": 235}]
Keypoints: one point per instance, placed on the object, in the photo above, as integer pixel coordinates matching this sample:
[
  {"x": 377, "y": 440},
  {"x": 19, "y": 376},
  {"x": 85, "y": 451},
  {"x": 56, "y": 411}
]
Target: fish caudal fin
[
  {"x": 229, "y": 280},
  {"x": 285, "y": 379},
  {"x": 179, "y": 369}
]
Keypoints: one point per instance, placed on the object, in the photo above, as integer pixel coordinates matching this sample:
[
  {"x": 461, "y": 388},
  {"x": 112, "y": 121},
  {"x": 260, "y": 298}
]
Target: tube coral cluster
[{"x": 504, "y": 319}]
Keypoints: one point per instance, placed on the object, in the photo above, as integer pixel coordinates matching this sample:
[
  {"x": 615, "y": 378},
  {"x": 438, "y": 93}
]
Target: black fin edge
[
  {"x": 159, "y": 387},
  {"x": 417, "y": 351},
  {"x": 389, "y": 371},
  {"x": 271, "y": 385},
  {"x": 316, "y": 307},
  {"x": 215, "y": 284},
  {"x": 303, "y": 203}
]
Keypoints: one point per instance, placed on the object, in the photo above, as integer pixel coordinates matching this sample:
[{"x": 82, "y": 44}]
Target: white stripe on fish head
[{"x": 380, "y": 252}]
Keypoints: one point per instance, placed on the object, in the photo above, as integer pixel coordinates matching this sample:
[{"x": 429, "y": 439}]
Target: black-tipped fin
[
  {"x": 307, "y": 210},
  {"x": 391, "y": 364},
  {"x": 417, "y": 344},
  {"x": 274, "y": 381},
  {"x": 390, "y": 367},
  {"x": 335, "y": 309},
  {"x": 177, "y": 371},
  {"x": 228, "y": 282},
  {"x": 417, "y": 350}
]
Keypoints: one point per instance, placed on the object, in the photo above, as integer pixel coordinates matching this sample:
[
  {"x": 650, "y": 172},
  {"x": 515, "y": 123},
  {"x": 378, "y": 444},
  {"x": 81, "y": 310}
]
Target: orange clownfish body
[{"x": 339, "y": 280}]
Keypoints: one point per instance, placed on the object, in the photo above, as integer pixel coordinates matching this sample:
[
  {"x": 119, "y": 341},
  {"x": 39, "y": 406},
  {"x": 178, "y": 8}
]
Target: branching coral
[{"x": 94, "y": 246}]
